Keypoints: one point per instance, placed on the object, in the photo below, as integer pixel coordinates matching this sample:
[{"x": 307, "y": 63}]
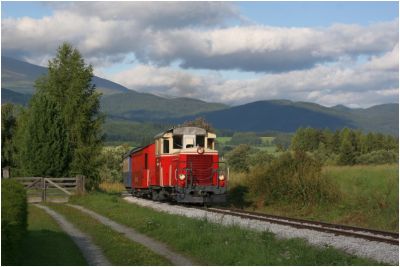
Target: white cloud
[
  {"x": 162, "y": 33},
  {"x": 312, "y": 64},
  {"x": 341, "y": 83}
]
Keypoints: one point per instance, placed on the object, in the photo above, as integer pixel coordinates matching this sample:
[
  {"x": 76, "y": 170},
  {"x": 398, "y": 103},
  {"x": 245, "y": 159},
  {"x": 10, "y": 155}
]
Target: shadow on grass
[
  {"x": 237, "y": 197},
  {"x": 44, "y": 248}
]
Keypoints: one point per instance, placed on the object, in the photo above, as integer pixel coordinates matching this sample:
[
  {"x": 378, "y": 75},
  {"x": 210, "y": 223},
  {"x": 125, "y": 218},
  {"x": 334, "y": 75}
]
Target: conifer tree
[
  {"x": 46, "y": 151},
  {"x": 8, "y": 128},
  {"x": 73, "y": 118}
]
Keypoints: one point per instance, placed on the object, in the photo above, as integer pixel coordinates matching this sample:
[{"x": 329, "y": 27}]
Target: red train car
[{"x": 181, "y": 165}]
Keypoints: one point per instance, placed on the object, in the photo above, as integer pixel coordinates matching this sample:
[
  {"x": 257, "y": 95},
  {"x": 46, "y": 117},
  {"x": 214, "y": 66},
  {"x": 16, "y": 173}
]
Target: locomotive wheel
[{"x": 154, "y": 195}]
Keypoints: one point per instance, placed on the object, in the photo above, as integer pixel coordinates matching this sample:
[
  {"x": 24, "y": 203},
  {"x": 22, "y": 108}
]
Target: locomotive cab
[{"x": 187, "y": 165}]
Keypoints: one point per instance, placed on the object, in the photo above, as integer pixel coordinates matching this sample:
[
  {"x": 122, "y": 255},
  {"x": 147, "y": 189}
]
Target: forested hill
[
  {"x": 287, "y": 116},
  {"x": 19, "y": 76},
  {"x": 127, "y": 107},
  {"x": 117, "y": 101}
]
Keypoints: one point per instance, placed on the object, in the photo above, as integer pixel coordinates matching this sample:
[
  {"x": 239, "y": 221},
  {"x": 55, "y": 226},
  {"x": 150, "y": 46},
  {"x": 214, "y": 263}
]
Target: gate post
[
  {"x": 43, "y": 189},
  {"x": 80, "y": 181}
]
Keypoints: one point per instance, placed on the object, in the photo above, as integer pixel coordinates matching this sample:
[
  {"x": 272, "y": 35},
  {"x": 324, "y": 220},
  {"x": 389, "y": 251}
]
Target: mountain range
[{"x": 129, "y": 107}]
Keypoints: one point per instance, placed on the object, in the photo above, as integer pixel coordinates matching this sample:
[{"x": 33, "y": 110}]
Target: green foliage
[
  {"x": 292, "y": 177},
  {"x": 13, "y": 220},
  {"x": 201, "y": 123},
  {"x": 282, "y": 140},
  {"x": 61, "y": 132},
  {"x": 261, "y": 157},
  {"x": 248, "y": 138},
  {"x": 45, "y": 145},
  {"x": 378, "y": 157},
  {"x": 111, "y": 163},
  {"x": 343, "y": 147},
  {"x": 8, "y": 128},
  {"x": 238, "y": 158}
]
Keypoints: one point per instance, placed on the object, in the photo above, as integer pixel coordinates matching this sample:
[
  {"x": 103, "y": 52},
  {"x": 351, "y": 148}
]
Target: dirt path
[
  {"x": 150, "y": 243},
  {"x": 92, "y": 253}
]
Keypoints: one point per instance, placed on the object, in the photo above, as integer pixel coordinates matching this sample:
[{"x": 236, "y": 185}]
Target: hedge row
[{"x": 13, "y": 220}]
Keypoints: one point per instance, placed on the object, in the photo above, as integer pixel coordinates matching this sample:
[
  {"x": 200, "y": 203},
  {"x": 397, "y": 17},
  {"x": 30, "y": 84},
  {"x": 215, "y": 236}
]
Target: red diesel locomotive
[{"x": 182, "y": 165}]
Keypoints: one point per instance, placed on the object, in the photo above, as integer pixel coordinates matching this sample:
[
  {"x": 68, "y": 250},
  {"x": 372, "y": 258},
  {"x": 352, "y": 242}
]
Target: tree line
[
  {"x": 59, "y": 134},
  {"x": 347, "y": 146}
]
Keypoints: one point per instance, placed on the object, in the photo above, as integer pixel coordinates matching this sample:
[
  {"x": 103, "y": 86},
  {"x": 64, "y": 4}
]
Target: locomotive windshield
[
  {"x": 200, "y": 140},
  {"x": 177, "y": 140}
]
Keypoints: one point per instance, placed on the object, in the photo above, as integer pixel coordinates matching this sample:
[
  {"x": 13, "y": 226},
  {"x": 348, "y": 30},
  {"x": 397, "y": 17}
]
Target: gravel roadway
[
  {"x": 92, "y": 253},
  {"x": 382, "y": 252}
]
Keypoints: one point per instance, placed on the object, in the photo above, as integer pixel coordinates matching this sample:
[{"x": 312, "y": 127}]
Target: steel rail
[{"x": 368, "y": 234}]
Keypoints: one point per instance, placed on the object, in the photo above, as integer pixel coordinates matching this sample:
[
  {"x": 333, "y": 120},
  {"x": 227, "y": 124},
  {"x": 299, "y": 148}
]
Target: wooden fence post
[
  {"x": 80, "y": 180},
  {"x": 43, "y": 189}
]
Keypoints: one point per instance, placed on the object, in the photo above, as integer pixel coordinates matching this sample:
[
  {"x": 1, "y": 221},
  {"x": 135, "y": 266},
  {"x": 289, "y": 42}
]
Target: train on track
[{"x": 181, "y": 165}]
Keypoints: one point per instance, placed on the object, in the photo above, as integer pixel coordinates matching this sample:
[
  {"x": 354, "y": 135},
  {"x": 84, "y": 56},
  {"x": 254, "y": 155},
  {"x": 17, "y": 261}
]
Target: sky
[{"x": 329, "y": 53}]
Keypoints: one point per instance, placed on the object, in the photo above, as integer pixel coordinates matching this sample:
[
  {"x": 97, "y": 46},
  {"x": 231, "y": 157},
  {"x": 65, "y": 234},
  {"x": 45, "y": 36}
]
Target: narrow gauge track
[{"x": 344, "y": 230}]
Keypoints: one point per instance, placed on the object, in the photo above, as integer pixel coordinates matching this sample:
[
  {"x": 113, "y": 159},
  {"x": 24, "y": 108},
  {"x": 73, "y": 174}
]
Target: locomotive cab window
[
  {"x": 177, "y": 140},
  {"x": 200, "y": 140},
  {"x": 165, "y": 146},
  {"x": 145, "y": 160},
  {"x": 210, "y": 143}
]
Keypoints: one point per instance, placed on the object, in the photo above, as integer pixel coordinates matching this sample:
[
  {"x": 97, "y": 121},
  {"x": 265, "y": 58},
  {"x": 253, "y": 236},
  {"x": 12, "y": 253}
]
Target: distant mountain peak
[{"x": 19, "y": 76}]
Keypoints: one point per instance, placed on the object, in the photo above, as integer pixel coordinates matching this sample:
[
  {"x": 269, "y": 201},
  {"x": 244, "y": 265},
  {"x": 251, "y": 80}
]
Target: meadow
[{"x": 368, "y": 197}]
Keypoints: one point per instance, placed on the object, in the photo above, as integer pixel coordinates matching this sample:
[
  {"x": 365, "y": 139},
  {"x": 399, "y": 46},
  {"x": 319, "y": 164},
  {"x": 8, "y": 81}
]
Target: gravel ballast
[{"x": 382, "y": 252}]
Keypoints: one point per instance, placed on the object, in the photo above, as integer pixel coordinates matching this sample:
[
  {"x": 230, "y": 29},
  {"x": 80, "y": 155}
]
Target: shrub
[
  {"x": 111, "y": 163},
  {"x": 13, "y": 220},
  {"x": 238, "y": 158},
  {"x": 378, "y": 157},
  {"x": 260, "y": 158},
  {"x": 292, "y": 177}
]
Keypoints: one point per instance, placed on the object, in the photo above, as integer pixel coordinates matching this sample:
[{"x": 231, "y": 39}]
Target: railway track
[{"x": 344, "y": 230}]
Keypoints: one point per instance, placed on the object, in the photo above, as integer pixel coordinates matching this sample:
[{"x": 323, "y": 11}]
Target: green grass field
[
  {"x": 214, "y": 244},
  {"x": 46, "y": 244},
  {"x": 117, "y": 248},
  {"x": 223, "y": 140},
  {"x": 267, "y": 140},
  {"x": 368, "y": 198}
]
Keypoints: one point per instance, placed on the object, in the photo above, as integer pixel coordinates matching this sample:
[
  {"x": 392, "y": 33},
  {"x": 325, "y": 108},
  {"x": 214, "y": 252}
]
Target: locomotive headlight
[
  {"x": 221, "y": 177},
  {"x": 182, "y": 177}
]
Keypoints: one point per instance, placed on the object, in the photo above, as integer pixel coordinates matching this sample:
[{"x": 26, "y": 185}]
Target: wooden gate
[{"x": 42, "y": 189}]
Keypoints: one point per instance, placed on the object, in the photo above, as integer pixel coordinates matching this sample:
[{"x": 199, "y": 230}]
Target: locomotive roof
[{"x": 183, "y": 131}]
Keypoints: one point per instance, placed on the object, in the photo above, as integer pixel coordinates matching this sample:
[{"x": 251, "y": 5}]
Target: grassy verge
[
  {"x": 46, "y": 244},
  {"x": 214, "y": 244},
  {"x": 369, "y": 198},
  {"x": 117, "y": 248},
  {"x": 112, "y": 188}
]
